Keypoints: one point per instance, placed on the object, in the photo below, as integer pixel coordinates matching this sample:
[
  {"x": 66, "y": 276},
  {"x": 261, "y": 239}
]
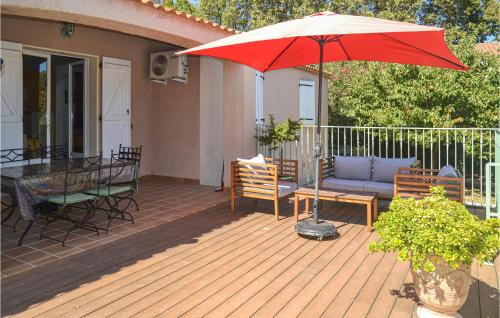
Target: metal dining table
[{"x": 14, "y": 181}]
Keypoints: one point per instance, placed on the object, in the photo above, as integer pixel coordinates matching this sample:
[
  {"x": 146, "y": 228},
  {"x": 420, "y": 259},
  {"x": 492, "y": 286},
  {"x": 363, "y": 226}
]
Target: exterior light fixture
[{"x": 67, "y": 30}]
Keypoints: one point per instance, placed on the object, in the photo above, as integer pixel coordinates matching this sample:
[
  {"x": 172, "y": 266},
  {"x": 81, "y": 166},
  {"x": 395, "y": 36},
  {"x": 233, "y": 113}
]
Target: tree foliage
[{"x": 380, "y": 94}]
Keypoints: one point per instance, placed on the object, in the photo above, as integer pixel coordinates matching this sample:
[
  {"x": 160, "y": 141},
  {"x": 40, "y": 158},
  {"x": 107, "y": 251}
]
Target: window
[
  {"x": 307, "y": 102},
  {"x": 259, "y": 98}
]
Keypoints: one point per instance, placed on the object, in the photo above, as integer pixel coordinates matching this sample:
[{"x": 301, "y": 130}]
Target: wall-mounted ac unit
[{"x": 165, "y": 66}]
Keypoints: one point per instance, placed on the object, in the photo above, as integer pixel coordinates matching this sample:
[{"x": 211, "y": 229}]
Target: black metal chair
[
  {"x": 119, "y": 184},
  {"x": 57, "y": 152},
  {"x": 68, "y": 192},
  {"x": 12, "y": 157}
]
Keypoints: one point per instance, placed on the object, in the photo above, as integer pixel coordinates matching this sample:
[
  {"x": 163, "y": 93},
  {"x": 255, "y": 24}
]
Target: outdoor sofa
[
  {"x": 263, "y": 178},
  {"x": 388, "y": 176}
]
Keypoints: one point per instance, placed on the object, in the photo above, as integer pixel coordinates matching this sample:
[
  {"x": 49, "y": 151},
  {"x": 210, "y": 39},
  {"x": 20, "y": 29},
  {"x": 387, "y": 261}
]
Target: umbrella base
[{"x": 317, "y": 230}]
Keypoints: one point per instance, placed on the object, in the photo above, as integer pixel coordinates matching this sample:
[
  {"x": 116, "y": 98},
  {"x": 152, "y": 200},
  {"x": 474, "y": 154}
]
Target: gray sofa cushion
[
  {"x": 447, "y": 172},
  {"x": 353, "y": 168},
  {"x": 385, "y": 189},
  {"x": 384, "y": 169},
  {"x": 344, "y": 184}
]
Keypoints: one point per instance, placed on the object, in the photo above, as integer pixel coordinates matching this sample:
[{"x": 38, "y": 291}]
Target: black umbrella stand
[{"x": 315, "y": 227}]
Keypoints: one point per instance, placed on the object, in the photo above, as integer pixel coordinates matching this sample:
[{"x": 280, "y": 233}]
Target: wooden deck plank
[
  {"x": 168, "y": 273},
  {"x": 303, "y": 256},
  {"x": 275, "y": 295},
  {"x": 472, "y": 305},
  {"x": 338, "y": 303},
  {"x": 488, "y": 291},
  {"x": 382, "y": 306},
  {"x": 296, "y": 295},
  {"x": 215, "y": 264},
  {"x": 241, "y": 279},
  {"x": 340, "y": 284},
  {"x": 365, "y": 298},
  {"x": 210, "y": 237},
  {"x": 170, "y": 294},
  {"x": 406, "y": 299},
  {"x": 205, "y": 300}
]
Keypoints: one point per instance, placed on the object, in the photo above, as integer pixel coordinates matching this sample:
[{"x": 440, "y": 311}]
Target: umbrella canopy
[
  {"x": 349, "y": 38},
  {"x": 329, "y": 37}
]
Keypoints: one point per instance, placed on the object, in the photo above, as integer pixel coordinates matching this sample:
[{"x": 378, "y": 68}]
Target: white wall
[{"x": 211, "y": 121}]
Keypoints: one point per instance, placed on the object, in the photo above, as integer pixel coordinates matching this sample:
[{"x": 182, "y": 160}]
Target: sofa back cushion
[
  {"x": 384, "y": 169},
  {"x": 447, "y": 172},
  {"x": 353, "y": 168}
]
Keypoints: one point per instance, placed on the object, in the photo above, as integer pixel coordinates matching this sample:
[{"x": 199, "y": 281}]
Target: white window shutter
[{"x": 307, "y": 102}]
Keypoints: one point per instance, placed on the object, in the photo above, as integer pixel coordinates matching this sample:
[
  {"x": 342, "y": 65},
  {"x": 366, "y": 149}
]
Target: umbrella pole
[
  {"x": 317, "y": 148},
  {"x": 315, "y": 227}
]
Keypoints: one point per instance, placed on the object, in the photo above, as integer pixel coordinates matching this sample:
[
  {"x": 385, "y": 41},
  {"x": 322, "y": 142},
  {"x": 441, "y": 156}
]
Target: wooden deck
[{"x": 212, "y": 264}]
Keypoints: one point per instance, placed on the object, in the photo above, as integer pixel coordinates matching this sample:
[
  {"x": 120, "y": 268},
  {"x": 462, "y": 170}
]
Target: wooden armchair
[
  {"x": 326, "y": 169},
  {"x": 416, "y": 183},
  {"x": 275, "y": 180}
]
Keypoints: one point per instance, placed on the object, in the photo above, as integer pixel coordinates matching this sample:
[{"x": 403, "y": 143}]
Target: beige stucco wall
[
  {"x": 211, "y": 120},
  {"x": 176, "y": 126},
  {"x": 149, "y": 101},
  {"x": 281, "y": 94}
]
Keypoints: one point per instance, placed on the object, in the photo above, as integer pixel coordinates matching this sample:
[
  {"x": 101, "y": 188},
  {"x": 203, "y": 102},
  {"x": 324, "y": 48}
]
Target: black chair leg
[
  {"x": 26, "y": 230},
  {"x": 11, "y": 210}
]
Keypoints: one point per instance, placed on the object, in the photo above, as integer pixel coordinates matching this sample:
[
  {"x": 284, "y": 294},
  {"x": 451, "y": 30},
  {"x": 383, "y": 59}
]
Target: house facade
[{"x": 78, "y": 73}]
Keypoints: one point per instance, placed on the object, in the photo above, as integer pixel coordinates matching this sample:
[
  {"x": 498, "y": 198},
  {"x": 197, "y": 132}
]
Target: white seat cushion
[
  {"x": 353, "y": 168},
  {"x": 385, "y": 189},
  {"x": 384, "y": 169},
  {"x": 344, "y": 184},
  {"x": 255, "y": 169}
]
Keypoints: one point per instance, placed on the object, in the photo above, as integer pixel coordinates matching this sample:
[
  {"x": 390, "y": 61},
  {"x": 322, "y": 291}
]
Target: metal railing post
[{"x": 497, "y": 169}]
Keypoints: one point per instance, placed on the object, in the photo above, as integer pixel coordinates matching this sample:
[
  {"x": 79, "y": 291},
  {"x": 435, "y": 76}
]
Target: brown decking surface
[
  {"x": 215, "y": 264},
  {"x": 160, "y": 202}
]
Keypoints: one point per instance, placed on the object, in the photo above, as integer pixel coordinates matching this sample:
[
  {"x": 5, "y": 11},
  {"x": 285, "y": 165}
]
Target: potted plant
[
  {"x": 440, "y": 238},
  {"x": 279, "y": 133}
]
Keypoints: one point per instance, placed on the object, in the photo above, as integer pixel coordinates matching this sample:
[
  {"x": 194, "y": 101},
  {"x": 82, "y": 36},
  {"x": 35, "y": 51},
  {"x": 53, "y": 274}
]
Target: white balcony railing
[{"x": 467, "y": 149}]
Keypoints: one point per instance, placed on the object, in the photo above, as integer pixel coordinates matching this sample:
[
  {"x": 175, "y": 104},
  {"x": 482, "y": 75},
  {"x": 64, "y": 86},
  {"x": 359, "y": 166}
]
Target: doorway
[{"x": 69, "y": 104}]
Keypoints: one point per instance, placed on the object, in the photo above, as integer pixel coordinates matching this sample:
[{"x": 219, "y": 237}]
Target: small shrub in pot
[{"x": 440, "y": 238}]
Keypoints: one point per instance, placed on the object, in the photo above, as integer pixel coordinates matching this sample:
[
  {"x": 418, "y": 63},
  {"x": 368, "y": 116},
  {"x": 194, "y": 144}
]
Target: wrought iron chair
[
  {"x": 133, "y": 154},
  {"x": 68, "y": 192},
  {"x": 119, "y": 183},
  {"x": 12, "y": 157},
  {"x": 56, "y": 152}
]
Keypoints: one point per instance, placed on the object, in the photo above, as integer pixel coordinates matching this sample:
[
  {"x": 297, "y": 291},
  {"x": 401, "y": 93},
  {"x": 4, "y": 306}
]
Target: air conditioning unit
[{"x": 165, "y": 66}]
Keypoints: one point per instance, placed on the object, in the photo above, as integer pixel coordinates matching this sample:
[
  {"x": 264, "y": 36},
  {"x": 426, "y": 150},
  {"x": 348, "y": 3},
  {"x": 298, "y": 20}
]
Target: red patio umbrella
[{"x": 330, "y": 37}]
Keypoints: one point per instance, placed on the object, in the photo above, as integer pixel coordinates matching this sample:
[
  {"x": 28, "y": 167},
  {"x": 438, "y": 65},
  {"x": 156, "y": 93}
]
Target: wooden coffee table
[{"x": 367, "y": 198}]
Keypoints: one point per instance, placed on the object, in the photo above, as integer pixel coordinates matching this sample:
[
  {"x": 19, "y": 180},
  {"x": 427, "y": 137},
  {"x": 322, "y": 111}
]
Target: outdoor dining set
[{"x": 49, "y": 185}]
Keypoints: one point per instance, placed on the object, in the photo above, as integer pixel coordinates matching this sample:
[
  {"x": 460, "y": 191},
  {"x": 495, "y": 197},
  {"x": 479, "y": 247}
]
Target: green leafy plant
[
  {"x": 435, "y": 226},
  {"x": 279, "y": 133}
]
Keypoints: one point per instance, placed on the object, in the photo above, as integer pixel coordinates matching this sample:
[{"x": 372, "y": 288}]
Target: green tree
[
  {"x": 181, "y": 5},
  {"x": 381, "y": 94}
]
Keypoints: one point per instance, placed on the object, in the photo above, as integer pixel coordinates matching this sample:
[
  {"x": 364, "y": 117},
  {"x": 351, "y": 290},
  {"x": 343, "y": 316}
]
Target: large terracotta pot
[{"x": 442, "y": 292}]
